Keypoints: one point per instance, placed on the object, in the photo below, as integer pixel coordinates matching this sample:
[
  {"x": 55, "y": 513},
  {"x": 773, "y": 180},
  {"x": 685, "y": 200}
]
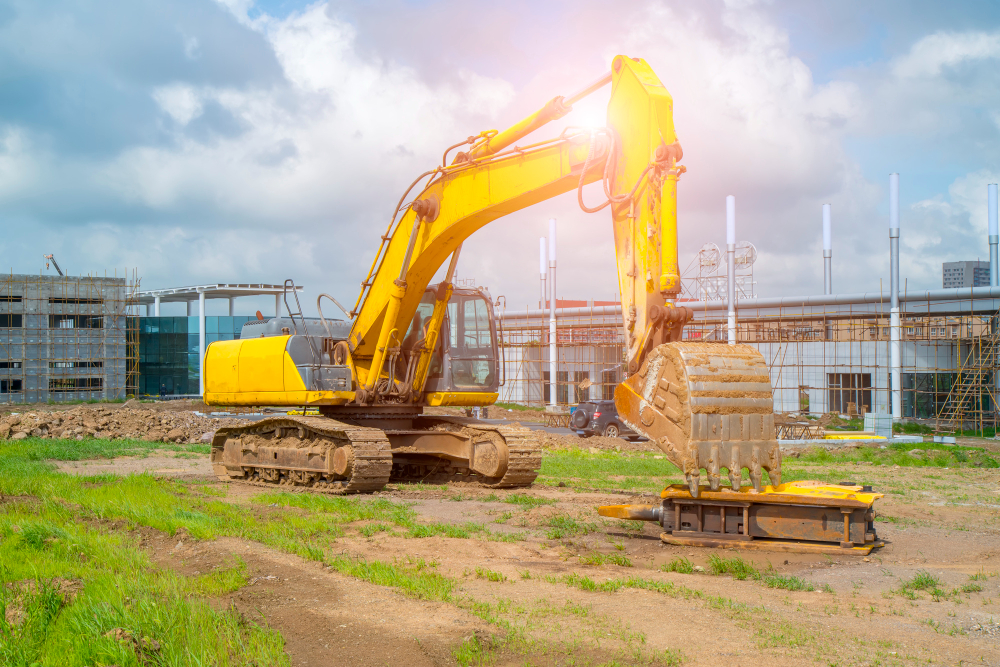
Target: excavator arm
[{"x": 636, "y": 159}]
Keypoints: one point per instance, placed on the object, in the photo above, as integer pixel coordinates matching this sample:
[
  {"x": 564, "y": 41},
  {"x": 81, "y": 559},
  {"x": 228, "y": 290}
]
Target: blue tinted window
[{"x": 212, "y": 324}]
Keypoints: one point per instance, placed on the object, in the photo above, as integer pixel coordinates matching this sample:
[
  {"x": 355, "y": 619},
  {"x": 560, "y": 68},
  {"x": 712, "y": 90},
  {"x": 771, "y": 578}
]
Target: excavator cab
[{"x": 466, "y": 360}]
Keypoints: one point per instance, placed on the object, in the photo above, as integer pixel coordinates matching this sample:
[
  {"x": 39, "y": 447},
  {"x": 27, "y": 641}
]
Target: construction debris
[{"x": 113, "y": 423}]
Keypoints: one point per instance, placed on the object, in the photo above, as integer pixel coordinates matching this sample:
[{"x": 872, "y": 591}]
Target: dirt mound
[{"x": 126, "y": 421}]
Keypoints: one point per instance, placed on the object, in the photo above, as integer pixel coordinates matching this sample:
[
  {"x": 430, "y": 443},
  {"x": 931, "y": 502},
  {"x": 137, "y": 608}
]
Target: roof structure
[{"x": 215, "y": 291}]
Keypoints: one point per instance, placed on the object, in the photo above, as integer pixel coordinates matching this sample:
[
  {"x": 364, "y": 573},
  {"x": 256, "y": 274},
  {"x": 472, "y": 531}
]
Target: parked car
[{"x": 600, "y": 418}]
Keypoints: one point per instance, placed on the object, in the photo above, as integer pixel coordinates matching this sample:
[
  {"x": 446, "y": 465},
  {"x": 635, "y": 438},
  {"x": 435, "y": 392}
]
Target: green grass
[
  {"x": 518, "y": 408},
  {"x": 742, "y": 570},
  {"x": 222, "y": 581},
  {"x": 597, "y": 559},
  {"x": 414, "y": 578},
  {"x": 473, "y": 652},
  {"x": 490, "y": 575},
  {"x": 608, "y": 470},
  {"x": 682, "y": 565},
  {"x": 921, "y": 581},
  {"x": 341, "y": 510},
  {"x": 525, "y": 501},
  {"x": 561, "y": 527},
  {"x": 43, "y": 546},
  {"x": 935, "y": 455},
  {"x": 39, "y": 449}
]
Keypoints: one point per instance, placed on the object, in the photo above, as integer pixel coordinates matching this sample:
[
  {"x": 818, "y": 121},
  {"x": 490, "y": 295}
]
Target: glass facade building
[{"x": 168, "y": 351}]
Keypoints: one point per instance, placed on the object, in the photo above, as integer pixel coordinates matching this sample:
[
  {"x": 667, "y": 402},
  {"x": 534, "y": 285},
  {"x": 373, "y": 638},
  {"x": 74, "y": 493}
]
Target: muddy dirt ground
[{"x": 935, "y": 521}]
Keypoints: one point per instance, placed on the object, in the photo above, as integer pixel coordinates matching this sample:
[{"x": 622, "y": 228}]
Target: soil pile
[{"x": 136, "y": 423}]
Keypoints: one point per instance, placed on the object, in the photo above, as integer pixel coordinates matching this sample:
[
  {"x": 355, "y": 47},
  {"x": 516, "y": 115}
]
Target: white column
[
  {"x": 231, "y": 300},
  {"x": 731, "y": 260},
  {"x": 277, "y": 305},
  {"x": 553, "y": 350},
  {"x": 190, "y": 307},
  {"x": 156, "y": 306},
  {"x": 201, "y": 342},
  {"x": 148, "y": 309},
  {"x": 895, "y": 358},
  {"x": 543, "y": 270},
  {"x": 827, "y": 252},
  {"x": 991, "y": 190}
]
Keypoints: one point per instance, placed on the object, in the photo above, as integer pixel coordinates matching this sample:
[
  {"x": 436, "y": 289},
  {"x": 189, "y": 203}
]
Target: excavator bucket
[{"x": 706, "y": 405}]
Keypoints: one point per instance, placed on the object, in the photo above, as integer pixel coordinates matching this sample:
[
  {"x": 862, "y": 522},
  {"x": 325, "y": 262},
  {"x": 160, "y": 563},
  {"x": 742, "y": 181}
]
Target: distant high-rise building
[{"x": 965, "y": 274}]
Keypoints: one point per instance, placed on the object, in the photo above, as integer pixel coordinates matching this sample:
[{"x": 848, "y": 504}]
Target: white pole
[
  {"x": 991, "y": 191},
  {"x": 731, "y": 258},
  {"x": 156, "y": 306},
  {"x": 201, "y": 342},
  {"x": 543, "y": 269},
  {"x": 231, "y": 300},
  {"x": 994, "y": 234},
  {"x": 553, "y": 351},
  {"x": 827, "y": 252},
  {"x": 895, "y": 359},
  {"x": 277, "y": 305}
]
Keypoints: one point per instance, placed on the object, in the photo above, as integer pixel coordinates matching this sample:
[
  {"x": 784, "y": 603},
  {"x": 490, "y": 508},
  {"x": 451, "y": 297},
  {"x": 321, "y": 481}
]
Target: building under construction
[
  {"x": 823, "y": 357},
  {"x": 65, "y": 338}
]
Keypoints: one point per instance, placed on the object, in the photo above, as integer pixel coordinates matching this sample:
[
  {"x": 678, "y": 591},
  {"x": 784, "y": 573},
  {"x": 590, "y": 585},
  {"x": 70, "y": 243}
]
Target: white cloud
[
  {"x": 180, "y": 101},
  {"x": 929, "y": 56}
]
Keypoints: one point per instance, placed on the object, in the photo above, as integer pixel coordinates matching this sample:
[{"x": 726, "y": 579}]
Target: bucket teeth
[
  {"x": 693, "y": 486},
  {"x": 756, "y": 474},
  {"x": 713, "y": 468}
]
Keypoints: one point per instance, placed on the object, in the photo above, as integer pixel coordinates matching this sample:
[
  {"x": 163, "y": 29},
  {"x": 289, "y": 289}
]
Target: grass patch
[
  {"x": 526, "y": 502},
  {"x": 560, "y": 527},
  {"x": 42, "y": 449},
  {"x": 682, "y": 565},
  {"x": 518, "y": 408},
  {"x": 76, "y": 596},
  {"x": 222, "y": 581},
  {"x": 597, "y": 559},
  {"x": 371, "y": 529},
  {"x": 413, "y": 577},
  {"x": 490, "y": 575},
  {"x": 608, "y": 470},
  {"x": 936, "y": 455},
  {"x": 472, "y": 651},
  {"x": 743, "y": 570},
  {"x": 921, "y": 581}
]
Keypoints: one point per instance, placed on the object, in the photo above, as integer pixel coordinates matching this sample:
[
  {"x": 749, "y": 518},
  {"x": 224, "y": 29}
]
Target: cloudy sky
[{"x": 203, "y": 141}]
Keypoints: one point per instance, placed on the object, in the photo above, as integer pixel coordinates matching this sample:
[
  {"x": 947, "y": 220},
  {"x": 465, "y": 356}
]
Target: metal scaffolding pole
[{"x": 895, "y": 359}]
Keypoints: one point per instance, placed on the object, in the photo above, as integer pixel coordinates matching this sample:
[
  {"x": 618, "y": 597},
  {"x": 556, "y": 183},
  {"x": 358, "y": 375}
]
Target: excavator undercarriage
[{"x": 332, "y": 456}]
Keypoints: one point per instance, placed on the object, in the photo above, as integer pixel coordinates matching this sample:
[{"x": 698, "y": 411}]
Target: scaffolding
[
  {"x": 828, "y": 359},
  {"x": 66, "y": 338}
]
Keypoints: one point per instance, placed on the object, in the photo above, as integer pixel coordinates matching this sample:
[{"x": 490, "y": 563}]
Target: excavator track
[
  {"x": 303, "y": 452},
  {"x": 523, "y": 452},
  {"x": 328, "y": 456}
]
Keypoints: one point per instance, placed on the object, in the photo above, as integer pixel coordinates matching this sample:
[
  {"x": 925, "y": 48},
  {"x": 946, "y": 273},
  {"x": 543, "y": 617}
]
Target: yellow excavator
[{"x": 407, "y": 345}]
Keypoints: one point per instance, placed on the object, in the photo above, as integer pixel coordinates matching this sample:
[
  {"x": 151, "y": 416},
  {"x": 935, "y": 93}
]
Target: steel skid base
[{"x": 804, "y": 517}]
